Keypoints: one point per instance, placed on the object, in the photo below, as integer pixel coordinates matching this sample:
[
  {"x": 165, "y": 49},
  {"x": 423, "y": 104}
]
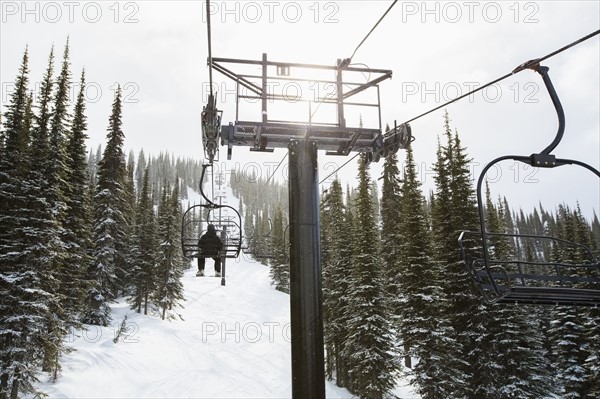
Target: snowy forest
[
  {"x": 81, "y": 227},
  {"x": 397, "y": 296}
]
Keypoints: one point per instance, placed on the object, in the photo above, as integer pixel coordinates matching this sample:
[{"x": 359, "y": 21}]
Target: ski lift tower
[{"x": 268, "y": 94}]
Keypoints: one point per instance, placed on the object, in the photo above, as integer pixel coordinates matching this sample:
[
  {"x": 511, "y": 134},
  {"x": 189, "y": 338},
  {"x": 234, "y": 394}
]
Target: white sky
[{"x": 157, "y": 51}]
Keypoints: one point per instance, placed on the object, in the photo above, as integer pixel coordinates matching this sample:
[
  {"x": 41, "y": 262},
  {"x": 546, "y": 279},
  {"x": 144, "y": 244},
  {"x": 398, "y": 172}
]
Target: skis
[{"x": 201, "y": 274}]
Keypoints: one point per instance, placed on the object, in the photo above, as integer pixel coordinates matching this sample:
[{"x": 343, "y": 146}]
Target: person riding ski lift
[{"x": 209, "y": 246}]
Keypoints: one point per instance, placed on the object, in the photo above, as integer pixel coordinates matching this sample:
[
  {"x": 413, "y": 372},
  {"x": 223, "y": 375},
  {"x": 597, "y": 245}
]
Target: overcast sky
[{"x": 157, "y": 50}]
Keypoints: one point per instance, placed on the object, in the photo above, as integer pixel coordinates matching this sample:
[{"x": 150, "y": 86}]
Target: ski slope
[{"x": 233, "y": 342}]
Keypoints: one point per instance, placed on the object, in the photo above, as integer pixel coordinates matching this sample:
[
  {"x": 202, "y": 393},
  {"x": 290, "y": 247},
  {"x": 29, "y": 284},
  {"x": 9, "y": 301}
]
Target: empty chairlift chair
[{"x": 565, "y": 273}]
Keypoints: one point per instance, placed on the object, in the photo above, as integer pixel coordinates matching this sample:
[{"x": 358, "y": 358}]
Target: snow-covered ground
[{"x": 233, "y": 342}]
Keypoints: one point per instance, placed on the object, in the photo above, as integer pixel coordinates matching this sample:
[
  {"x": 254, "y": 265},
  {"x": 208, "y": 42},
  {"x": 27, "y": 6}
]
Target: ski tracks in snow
[{"x": 234, "y": 342}]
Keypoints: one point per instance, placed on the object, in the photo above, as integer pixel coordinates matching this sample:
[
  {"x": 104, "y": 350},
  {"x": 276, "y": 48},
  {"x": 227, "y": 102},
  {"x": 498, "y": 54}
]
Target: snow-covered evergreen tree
[
  {"x": 110, "y": 225},
  {"x": 169, "y": 293},
  {"x": 569, "y": 328},
  {"x": 453, "y": 210},
  {"x": 78, "y": 215},
  {"x": 144, "y": 250},
  {"x": 369, "y": 347},
  {"x": 511, "y": 333},
  {"x": 592, "y": 362},
  {"x": 40, "y": 133},
  {"x": 279, "y": 263},
  {"x": 26, "y": 283},
  {"x": 124, "y": 273},
  {"x": 376, "y": 205},
  {"x": 424, "y": 333},
  {"x": 336, "y": 254},
  {"x": 56, "y": 171},
  {"x": 391, "y": 216},
  {"x": 140, "y": 168}
]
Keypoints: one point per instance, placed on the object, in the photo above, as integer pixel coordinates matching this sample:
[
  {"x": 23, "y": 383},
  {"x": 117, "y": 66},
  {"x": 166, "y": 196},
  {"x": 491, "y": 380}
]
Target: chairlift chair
[
  {"x": 194, "y": 225},
  {"x": 543, "y": 279}
]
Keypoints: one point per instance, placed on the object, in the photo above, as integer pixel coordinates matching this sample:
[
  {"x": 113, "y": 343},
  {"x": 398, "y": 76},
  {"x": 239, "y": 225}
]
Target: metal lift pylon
[{"x": 303, "y": 140}]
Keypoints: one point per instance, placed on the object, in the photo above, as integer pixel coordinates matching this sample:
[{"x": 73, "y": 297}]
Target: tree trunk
[
  {"x": 14, "y": 393},
  {"x": 339, "y": 374},
  {"x": 3, "y": 386},
  {"x": 146, "y": 302},
  {"x": 407, "y": 358},
  {"x": 56, "y": 367}
]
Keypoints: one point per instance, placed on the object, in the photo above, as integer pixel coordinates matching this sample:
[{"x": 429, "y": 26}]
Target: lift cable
[
  {"x": 330, "y": 96},
  {"x": 347, "y": 61},
  {"x": 273, "y": 174},
  {"x": 518, "y": 69},
  {"x": 335, "y": 171}
]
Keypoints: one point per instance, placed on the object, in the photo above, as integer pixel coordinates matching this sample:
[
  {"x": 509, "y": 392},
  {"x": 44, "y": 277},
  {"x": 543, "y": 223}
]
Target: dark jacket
[{"x": 210, "y": 244}]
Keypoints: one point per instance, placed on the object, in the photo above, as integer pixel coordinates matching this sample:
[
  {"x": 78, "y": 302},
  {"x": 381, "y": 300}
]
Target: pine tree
[
  {"x": 110, "y": 224},
  {"x": 57, "y": 157},
  {"x": 390, "y": 223},
  {"x": 571, "y": 352},
  {"x": 280, "y": 266},
  {"x": 369, "y": 345},
  {"x": 78, "y": 218},
  {"x": 13, "y": 169},
  {"x": 510, "y": 332},
  {"x": 140, "y": 168},
  {"x": 376, "y": 205},
  {"x": 1, "y": 139},
  {"x": 40, "y": 133},
  {"x": 144, "y": 253},
  {"x": 16, "y": 135},
  {"x": 454, "y": 210},
  {"x": 25, "y": 303},
  {"x": 169, "y": 293},
  {"x": 391, "y": 217},
  {"x": 336, "y": 256},
  {"x": 596, "y": 233},
  {"x": 124, "y": 273},
  {"x": 56, "y": 194},
  {"x": 423, "y": 331},
  {"x": 592, "y": 362},
  {"x": 98, "y": 158},
  {"x": 570, "y": 327},
  {"x": 592, "y": 318}
]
